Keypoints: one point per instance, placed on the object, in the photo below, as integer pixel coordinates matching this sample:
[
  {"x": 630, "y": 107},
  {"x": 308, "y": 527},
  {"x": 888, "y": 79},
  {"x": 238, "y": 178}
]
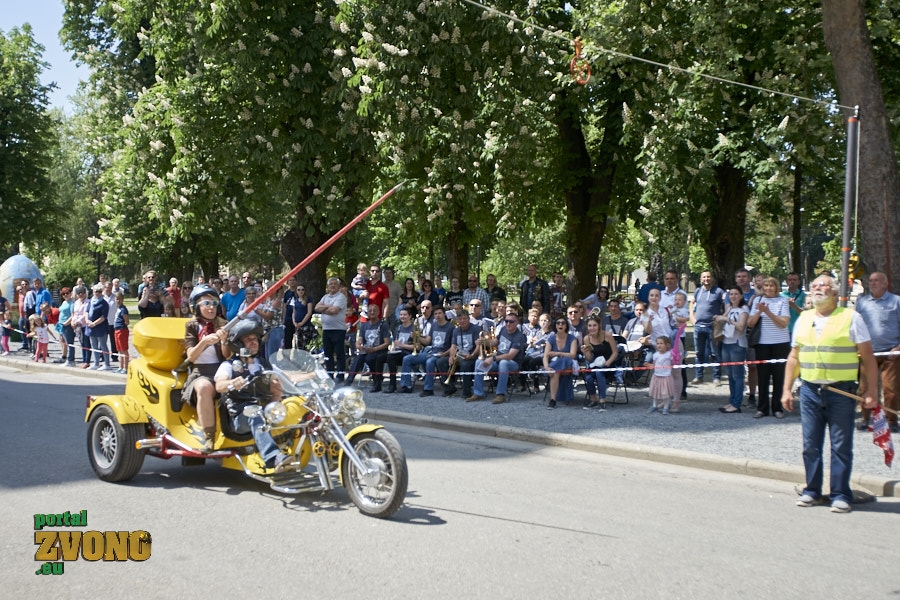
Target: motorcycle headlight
[
  {"x": 350, "y": 401},
  {"x": 275, "y": 412}
]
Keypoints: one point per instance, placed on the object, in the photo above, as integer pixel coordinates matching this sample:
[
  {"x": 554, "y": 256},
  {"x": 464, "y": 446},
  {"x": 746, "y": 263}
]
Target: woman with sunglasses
[
  {"x": 203, "y": 337},
  {"x": 559, "y": 360}
]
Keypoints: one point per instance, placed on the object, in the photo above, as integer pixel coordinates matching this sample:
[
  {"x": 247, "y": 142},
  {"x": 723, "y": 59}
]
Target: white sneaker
[
  {"x": 103, "y": 368},
  {"x": 93, "y": 368}
]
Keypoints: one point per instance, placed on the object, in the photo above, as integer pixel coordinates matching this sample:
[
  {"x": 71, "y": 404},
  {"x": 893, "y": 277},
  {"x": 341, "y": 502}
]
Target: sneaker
[
  {"x": 499, "y": 399},
  {"x": 93, "y": 368},
  {"x": 717, "y": 382},
  {"x": 696, "y": 380},
  {"x": 551, "y": 405},
  {"x": 653, "y": 409},
  {"x": 840, "y": 506},
  {"x": 665, "y": 411},
  {"x": 405, "y": 390},
  {"x": 601, "y": 406},
  {"x": 69, "y": 363},
  {"x": 426, "y": 393},
  {"x": 805, "y": 501},
  {"x": 474, "y": 398},
  {"x": 104, "y": 368},
  {"x": 122, "y": 371},
  {"x": 58, "y": 361},
  {"x": 590, "y": 405}
]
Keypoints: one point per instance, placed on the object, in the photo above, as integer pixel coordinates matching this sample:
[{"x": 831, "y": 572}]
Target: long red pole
[{"x": 311, "y": 257}]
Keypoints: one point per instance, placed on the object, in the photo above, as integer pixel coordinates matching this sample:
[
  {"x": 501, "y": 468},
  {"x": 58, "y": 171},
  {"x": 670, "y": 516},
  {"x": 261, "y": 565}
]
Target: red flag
[
  {"x": 881, "y": 434},
  {"x": 676, "y": 351}
]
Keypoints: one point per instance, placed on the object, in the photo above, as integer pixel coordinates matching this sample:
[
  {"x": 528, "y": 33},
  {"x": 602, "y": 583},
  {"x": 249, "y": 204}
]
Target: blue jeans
[
  {"x": 273, "y": 343},
  {"x": 265, "y": 443},
  {"x": 819, "y": 409},
  {"x": 69, "y": 335},
  {"x": 503, "y": 368},
  {"x": 734, "y": 353},
  {"x": 410, "y": 361},
  {"x": 703, "y": 344},
  {"x": 101, "y": 349},
  {"x": 595, "y": 382}
]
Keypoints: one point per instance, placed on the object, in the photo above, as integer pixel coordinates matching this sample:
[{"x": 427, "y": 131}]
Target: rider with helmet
[
  {"x": 241, "y": 383},
  {"x": 203, "y": 338}
]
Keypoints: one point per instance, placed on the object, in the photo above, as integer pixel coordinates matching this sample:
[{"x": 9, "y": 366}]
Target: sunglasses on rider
[{"x": 212, "y": 303}]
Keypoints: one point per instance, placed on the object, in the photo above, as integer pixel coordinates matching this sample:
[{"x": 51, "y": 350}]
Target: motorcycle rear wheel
[
  {"x": 111, "y": 448},
  {"x": 380, "y": 493}
]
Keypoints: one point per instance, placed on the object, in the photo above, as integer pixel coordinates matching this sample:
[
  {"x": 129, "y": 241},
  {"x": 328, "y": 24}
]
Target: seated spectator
[
  {"x": 559, "y": 361},
  {"x": 371, "y": 347}
]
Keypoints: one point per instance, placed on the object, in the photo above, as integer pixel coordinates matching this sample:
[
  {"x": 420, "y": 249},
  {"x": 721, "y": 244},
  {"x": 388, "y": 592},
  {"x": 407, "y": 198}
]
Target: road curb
[{"x": 879, "y": 486}]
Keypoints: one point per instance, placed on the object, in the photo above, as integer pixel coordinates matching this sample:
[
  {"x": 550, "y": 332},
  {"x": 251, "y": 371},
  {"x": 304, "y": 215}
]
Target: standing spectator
[
  {"x": 246, "y": 280},
  {"x": 66, "y": 330},
  {"x": 184, "y": 302},
  {"x": 643, "y": 294},
  {"x": 774, "y": 343},
  {"x": 408, "y": 297},
  {"x": 151, "y": 304},
  {"x": 110, "y": 298},
  {"x": 290, "y": 296},
  {"x": 534, "y": 288},
  {"x": 275, "y": 325},
  {"x": 494, "y": 291},
  {"x": 301, "y": 319},
  {"x": 377, "y": 292},
  {"x": 41, "y": 337},
  {"x": 175, "y": 291},
  {"x": 880, "y": 309},
  {"x": 667, "y": 294},
  {"x": 333, "y": 308},
  {"x": 706, "y": 305},
  {"x": 599, "y": 300},
  {"x": 120, "y": 328},
  {"x": 824, "y": 354},
  {"x": 473, "y": 291},
  {"x": 394, "y": 292},
  {"x": 428, "y": 294},
  {"x": 24, "y": 295},
  {"x": 440, "y": 291},
  {"x": 79, "y": 320},
  {"x": 98, "y": 328},
  {"x": 359, "y": 283},
  {"x": 233, "y": 298},
  {"x": 5, "y": 331},
  {"x": 557, "y": 306},
  {"x": 742, "y": 281},
  {"x": 734, "y": 347},
  {"x": 454, "y": 293},
  {"x": 796, "y": 297}
]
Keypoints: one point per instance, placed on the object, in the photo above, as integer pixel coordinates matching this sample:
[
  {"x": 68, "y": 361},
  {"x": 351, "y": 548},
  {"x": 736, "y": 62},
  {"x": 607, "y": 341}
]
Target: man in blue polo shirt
[{"x": 706, "y": 305}]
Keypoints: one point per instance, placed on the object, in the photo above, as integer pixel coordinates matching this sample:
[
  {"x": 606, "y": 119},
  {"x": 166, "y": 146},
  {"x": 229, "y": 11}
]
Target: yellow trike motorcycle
[{"x": 322, "y": 427}]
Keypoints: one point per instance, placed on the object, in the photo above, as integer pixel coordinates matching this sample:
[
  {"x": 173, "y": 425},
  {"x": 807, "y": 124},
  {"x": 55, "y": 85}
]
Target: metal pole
[{"x": 850, "y": 198}]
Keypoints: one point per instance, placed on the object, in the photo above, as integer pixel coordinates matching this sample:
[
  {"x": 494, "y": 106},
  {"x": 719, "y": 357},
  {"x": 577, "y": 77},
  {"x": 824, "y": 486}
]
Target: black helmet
[
  {"x": 199, "y": 292},
  {"x": 242, "y": 329}
]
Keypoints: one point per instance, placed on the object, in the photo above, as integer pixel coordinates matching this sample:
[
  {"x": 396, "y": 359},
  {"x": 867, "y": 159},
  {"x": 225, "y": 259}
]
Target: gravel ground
[{"x": 699, "y": 427}]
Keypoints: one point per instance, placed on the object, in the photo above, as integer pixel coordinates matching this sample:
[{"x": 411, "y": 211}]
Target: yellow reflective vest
[{"x": 830, "y": 356}]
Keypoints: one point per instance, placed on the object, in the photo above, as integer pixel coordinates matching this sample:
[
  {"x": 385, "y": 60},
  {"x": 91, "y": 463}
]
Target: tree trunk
[
  {"x": 588, "y": 193},
  {"x": 296, "y": 245},
  {"x": 457, "y": 254},
  {"x": 723, "y": 243},
  {"x": 847, "y": 38}
]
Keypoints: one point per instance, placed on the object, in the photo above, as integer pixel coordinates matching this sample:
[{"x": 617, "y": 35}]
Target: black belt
[{"x": 846, "y": 386}]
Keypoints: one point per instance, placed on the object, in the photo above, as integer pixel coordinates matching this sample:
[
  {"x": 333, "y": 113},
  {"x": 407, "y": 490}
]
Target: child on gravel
[{"x": 662, "y": 388}]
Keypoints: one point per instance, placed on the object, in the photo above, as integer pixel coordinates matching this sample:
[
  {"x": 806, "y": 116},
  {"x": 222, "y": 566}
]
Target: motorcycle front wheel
[
  {"x": 380, "y": 491},
  {"x": 111, "y": 448}
]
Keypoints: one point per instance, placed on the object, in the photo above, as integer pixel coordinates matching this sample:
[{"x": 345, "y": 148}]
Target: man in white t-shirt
[{"x": 333, "y": 308}]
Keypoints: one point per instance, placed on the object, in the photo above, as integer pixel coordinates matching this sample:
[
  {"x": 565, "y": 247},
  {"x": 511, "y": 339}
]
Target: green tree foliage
[{"x": 26, "y": 139}]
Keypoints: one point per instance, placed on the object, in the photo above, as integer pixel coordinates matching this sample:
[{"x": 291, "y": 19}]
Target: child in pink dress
[{"x": 662, "y": 388}]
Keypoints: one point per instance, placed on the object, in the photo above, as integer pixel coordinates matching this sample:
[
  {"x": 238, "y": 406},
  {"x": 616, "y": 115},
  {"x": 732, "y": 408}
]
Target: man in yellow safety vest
[{"x": 827, "y": 346}]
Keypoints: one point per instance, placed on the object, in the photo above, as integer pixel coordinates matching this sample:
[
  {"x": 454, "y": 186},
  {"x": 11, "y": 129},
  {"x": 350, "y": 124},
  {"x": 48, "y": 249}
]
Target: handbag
[
  {"x": 718, "y": 330},
  {"x": 754, "y": 333}
]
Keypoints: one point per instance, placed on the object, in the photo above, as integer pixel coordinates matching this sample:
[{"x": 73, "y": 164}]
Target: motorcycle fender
[
  {"x": 367, "y": 428},
  {"x": 127, "y": 409}
]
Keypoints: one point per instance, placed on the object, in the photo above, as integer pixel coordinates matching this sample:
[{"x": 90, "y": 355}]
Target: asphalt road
[{"x": 484, "y": 518}]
